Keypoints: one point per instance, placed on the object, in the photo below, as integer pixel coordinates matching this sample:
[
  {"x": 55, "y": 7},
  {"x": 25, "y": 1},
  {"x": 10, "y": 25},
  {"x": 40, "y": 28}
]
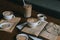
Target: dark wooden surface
[{"x": 17, "y": 9}]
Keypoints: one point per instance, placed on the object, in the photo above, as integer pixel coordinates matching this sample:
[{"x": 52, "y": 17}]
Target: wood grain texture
[
  {"x": 14, "y": 22},
  {"x": 34, "y": 31}
]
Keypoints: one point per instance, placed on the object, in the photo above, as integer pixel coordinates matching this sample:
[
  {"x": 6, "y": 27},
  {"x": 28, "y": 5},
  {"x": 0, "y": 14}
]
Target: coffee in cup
[
  {"x": 33, "y": 22},
  {"x": 8, "y": 15},
  {"x": 22, "y": 37},
  {"x": 28, "y": 10}
]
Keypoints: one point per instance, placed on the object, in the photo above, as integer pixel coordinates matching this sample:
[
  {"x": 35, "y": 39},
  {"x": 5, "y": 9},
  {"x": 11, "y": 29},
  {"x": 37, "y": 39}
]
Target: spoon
[{"x": 21, "y": 25}]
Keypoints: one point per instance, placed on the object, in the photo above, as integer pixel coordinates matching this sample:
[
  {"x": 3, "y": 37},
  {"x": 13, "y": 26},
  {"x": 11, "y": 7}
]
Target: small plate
[{"x": 5, "y": 25}]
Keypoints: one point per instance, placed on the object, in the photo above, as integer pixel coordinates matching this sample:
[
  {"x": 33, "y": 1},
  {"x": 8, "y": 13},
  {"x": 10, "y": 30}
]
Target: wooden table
[
  {"x": 14, "y": 22},
  {"x": 12, "y": 36}
]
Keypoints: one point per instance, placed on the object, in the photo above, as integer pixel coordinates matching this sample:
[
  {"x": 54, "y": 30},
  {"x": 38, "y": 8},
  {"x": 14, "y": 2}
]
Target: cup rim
[
  {"x": 22, "y": 35},
  {"x": 38, "y": 15},
  {"x": 7, "y": 12}
]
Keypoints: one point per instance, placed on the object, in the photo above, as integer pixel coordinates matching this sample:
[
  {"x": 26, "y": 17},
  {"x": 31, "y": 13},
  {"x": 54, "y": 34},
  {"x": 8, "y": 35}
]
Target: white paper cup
[{"x": 8, "y": 15}]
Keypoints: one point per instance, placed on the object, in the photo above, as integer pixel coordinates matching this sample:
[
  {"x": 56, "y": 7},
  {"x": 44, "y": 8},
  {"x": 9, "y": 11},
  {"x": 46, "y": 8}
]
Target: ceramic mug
[
  {"x": 33, "y": 23},
  {"x": 18, "y": 37},
  {"x": 41, "y": 17},
  {"x": 8, "y": 15}
]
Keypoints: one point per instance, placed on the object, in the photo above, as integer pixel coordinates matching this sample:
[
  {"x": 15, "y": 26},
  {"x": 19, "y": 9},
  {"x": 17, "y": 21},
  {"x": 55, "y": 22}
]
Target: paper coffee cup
[{"x": 28, "y": 10}]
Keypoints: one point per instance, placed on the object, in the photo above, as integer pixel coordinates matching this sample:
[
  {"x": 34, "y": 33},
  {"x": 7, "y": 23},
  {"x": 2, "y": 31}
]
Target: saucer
[{"x": 5, "y": 25}]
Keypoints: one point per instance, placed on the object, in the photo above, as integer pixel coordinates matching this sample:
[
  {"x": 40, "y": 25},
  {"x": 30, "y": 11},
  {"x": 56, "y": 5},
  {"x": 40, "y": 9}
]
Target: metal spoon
[{"x": 21, "y": 25}]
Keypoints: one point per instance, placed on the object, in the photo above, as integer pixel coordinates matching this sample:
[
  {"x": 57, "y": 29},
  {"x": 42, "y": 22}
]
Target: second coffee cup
[{"x": 33, "y": 22}]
